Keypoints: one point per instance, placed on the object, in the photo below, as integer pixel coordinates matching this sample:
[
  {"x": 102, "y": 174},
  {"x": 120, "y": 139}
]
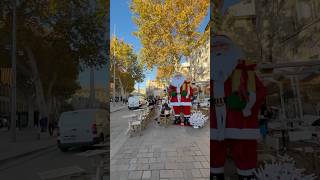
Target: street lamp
[
  {"x": 14, "y": 71},
  {"x": 114, "y": 70}
]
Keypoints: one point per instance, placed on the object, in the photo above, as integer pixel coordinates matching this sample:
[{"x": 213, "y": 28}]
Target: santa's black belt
[{"x": 218, "y": 101}]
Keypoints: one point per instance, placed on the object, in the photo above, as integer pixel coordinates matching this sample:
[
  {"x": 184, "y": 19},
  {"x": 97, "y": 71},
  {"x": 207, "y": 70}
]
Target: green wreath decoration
[
  {"x": 235, "y": 102},
  {"x": 184, "y": 93},
  {"x": 173, "y": 94}
]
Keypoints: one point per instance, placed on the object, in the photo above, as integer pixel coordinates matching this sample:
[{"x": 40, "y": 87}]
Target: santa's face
[
  {"x": 177, "y": 80},
  {"x": 220, "y": 48},
  {"x": 224, "y": 59}
]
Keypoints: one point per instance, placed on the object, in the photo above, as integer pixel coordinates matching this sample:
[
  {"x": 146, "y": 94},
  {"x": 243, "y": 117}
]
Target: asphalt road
[{"x": 118, "y": 129}]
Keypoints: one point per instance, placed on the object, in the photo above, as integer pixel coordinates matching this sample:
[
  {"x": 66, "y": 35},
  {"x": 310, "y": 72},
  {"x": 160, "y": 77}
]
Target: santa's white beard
[
  {"x": 223, "y": 66},
  {"x": 224, "y": 62},
  {"x": 177, "y": 81}
]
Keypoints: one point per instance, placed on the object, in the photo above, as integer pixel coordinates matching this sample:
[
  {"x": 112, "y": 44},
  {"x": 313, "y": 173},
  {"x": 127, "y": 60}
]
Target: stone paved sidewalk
[{"x": 173, "y": 153}]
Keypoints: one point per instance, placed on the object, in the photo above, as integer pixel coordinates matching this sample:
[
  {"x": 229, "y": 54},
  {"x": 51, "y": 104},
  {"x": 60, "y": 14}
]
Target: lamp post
[
  {"x": 14, "y": 71},
  {"x": 114, "y": 70}
]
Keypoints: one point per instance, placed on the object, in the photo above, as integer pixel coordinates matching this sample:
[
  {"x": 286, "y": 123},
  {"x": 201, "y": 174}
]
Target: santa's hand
[{"x": 246, "y": 112}]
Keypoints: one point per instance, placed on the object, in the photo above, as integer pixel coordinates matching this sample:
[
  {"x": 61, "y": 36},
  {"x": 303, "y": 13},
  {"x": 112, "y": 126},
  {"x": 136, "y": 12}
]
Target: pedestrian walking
[
  {"x": 36, "y": 122},
  {"x": 18, "y": 124},
  {"x": 43, "y": 124},
  {"x": 51, "y": 128}
]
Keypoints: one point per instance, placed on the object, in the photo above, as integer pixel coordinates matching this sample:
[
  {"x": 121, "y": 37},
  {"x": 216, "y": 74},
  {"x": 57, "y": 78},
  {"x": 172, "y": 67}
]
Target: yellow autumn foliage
[{"x": 168, "y": 30}]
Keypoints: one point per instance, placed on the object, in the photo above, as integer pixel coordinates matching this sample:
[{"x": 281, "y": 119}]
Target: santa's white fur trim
[
  {"x": 246, "y": 172},
  {"x": 185, "y": 104},
  {"x": 174, "y": 103},
  {"x": 218, "y": 170},
  {"x": 235, "y": 133}
]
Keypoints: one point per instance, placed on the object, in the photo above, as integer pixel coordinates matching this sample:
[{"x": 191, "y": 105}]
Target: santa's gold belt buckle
[{"x": 218, "y": 102}]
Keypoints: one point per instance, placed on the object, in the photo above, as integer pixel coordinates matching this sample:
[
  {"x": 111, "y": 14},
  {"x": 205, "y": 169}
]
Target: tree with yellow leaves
[
  {"x": 168, "y": 30},
  {"x": 125, "y": 61},
  {"x": 164, "y": 74}
]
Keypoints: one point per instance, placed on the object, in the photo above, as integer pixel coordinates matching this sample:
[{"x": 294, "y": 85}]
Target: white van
[
  {"x": 134, "y": 102},
  {"x": 82, "y": 128}
]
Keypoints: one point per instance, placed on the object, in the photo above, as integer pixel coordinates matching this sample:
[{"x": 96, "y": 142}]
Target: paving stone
[
  {"x": 134, "y": 160},
  {"x": 123, "y": 161},
  {"x": 196, "y": 173},
  {"x": 146, "y": 175},
  {"x": 207, "y": 158},
  {"x": 119, "y": 175},
  {"x": 156, "y": 154},
  {"x": 148, "y": 155},
  {"x": 157, "y": 149},
  {"x": 143, "y": 167},
  {"x": 200, "y": 158},
  {"x": 171, "y": 165},
  {"x": 172, "y": 154},
  {"x": 154, "y": 160},
  {"x": 155, "y": 174},
  {"x": 143, "y": 160},
  {"x": 198, "y": 153},
  {"x": 172, "y": 159},
  {"x": 135, "y": 175},
  {"x": 197, "y": 165},
  {"x": 188, "y": 159},
  {"x": 171, "y": 174},
  {"x": 113, "y": 162},
  {"x": 205, "y": 172},
  {"x": 187, "y": 165},
  {"x": 133, "y": 167},
  {"x": 187, "y": 174},
  {"x": 143, "y": 150},
  {"x": 205, "y": 164},
  {"x": 123, "y": 167},
  {"x": 156, "y": 166}
]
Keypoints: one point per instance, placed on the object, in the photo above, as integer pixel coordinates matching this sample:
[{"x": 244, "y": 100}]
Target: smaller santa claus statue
[{"x": 180, "y": 95}]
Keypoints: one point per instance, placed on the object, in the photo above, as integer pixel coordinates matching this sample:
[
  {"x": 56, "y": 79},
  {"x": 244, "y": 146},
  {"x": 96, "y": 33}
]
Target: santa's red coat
[
  {"x": 238, "y": 126},
  {"x": 180, "y": 100}
]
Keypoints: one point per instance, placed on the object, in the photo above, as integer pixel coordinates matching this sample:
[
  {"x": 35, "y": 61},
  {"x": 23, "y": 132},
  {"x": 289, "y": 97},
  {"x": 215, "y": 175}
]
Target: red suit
[
  {"x": 234, "y": 117},
  {"x": 180, "y": 94}
]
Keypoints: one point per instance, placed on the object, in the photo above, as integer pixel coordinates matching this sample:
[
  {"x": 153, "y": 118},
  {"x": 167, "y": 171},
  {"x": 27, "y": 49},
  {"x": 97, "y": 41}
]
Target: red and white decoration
[
  {"x": 237, "y": 129},
  {"x": 180, "y": 94},
  {"x": 283, "y": 168}
]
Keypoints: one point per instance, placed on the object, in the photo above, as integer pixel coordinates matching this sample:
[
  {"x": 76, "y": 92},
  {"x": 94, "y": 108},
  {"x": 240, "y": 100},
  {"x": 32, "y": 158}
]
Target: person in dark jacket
[{"x": 165, "y": 107}]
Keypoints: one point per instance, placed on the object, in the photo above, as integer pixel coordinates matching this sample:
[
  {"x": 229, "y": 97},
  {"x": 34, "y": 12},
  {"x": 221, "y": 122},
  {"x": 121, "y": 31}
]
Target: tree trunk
[
  {"x": 121, "y": 87},
  {"x": 92, "y": 89},
  {"x": 42, "y": 104},
  {"x": 30, "y": 112}
]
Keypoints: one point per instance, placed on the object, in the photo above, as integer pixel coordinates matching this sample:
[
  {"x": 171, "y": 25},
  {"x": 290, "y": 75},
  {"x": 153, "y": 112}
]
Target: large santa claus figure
[
  {"x": 180, "y": 94},
  {"x": 237, "y": 96}
]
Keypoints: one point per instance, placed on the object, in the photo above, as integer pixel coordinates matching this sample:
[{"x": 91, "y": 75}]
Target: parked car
[
  {"x": 3, "y": 122},
  {"x": 82, "y": 128},
  {"x": 134, "y": 102}
]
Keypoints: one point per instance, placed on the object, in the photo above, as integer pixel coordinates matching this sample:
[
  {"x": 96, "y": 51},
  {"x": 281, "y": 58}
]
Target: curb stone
[{"x": 118, "y": 109}]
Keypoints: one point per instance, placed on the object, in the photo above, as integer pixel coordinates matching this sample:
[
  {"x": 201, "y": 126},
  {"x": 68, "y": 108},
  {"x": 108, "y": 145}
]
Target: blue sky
[{"x": 121, "y": 19}]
